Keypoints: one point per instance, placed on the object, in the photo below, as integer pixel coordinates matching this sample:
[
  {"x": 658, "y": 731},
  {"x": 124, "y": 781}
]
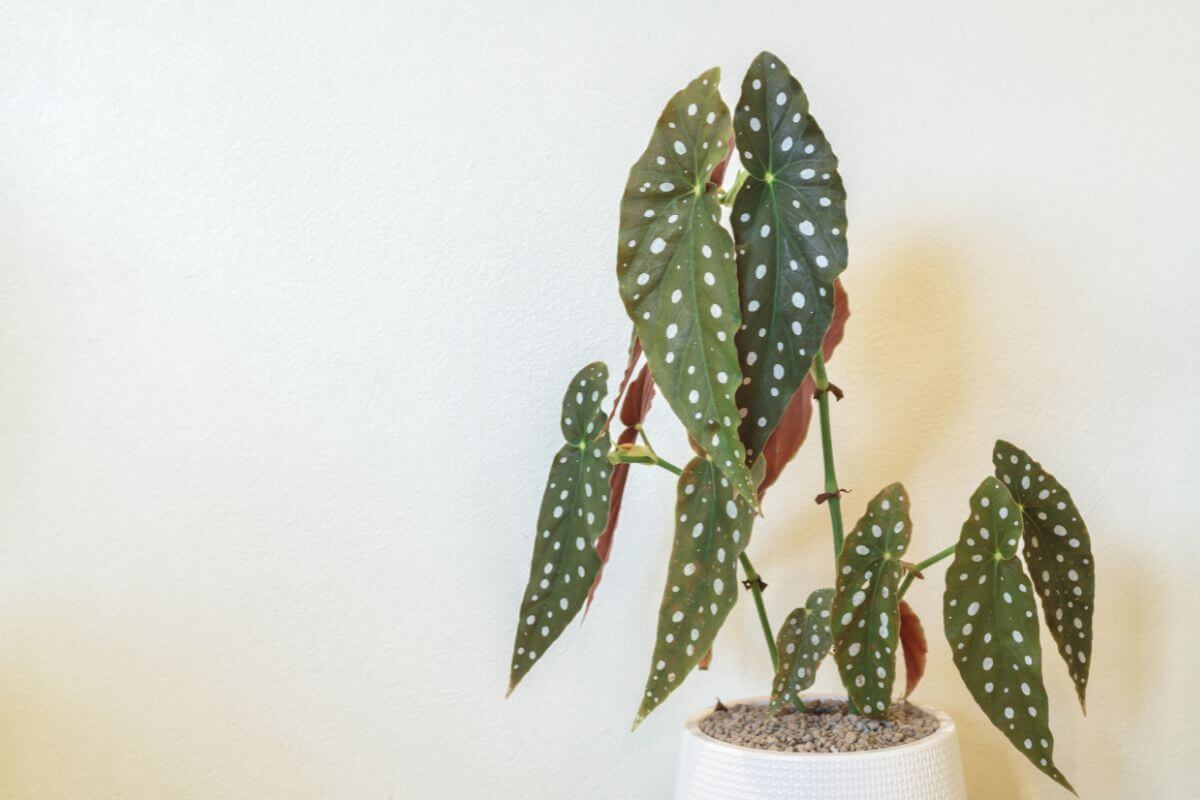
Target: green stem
[
  {"x": 831, "y": 482},
  {"x": 929, "y": 562},
  {"x": 753, "y": 579},
  {"x": 731, "y": 195}
]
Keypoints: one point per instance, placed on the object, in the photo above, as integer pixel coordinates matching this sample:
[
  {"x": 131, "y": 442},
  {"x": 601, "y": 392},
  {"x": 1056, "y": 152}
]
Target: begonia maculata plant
[{"x": 737, "y": 305}]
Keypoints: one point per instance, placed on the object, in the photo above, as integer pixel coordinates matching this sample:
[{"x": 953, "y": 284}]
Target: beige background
[{"x": 288, "y": 295}]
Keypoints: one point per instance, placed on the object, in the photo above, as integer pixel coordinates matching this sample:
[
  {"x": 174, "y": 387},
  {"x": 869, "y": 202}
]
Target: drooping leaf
[
  {"x": 914, "y": 645},
  {"x": 804, "y": 639},
  {"x": 789, "y": 435},
  {"x": 574, "y": 509},
  {"x": 865, "y": 608},
  {"x": 633, "y": 411},
  {"x": 677, "y": 276},
  {"x": 991, "y": 624},
  {"x": 789, "y": 221},
  {"x": 1058, "y": 552},
  {"x": 712, "y": 528}
]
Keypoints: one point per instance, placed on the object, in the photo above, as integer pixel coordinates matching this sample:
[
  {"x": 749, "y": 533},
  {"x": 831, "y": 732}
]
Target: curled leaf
[
  {"x": 804, "y": 640},
  {"x": 865, "y": 608},
  {"x": 1058, "y": 552},
  {"x": 991, "y": 624},
  {"x": 574, "y": 508},
  {"x": 914, "y": 645}
]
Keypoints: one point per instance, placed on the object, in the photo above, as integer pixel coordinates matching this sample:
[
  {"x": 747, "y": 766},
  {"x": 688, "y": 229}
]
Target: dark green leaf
[
  {"x": 574, "y": 510},
  {"x": 677, "y": 276},
  {"x": 789, "y": 221},
  {"x": 992, "y": 627},
  {"x": 866, "y": 614},
  {"x": 712, "y": 528},
  {"x": 1058, "y": 552},
  {"x": 803, "y": 641}
]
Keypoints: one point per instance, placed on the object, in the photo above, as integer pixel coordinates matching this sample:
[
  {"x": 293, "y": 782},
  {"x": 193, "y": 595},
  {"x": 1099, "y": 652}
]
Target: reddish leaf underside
[
  {"x": 785, "y": 442},
  {"x": 635, "y": 352},
  {"x": 912, "y": 641},
  {"x": 638, "y": 397}
]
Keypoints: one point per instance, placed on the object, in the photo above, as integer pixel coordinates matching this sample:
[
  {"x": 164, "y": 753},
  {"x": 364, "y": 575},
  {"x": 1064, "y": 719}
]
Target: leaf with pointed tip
[
  {"x": 677, "y": 276},
  {"x": 1058, "y": 552},
  {"x": 789, "y": 222},
  {"x": 789, "y": 435},
  {"x": 914, "y": 645},
  {"x": 712, "y": 528},
  {"x": 633, "y": 411},
  {"x": 865, "y": 608},
  {"x": 991, "y": 624},
  {"x": 574, "y": 509},
  {"x": 804, "y": 639}
]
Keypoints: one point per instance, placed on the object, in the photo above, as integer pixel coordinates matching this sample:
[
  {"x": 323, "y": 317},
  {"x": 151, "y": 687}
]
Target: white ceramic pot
[{"x": 927, "y": 769}]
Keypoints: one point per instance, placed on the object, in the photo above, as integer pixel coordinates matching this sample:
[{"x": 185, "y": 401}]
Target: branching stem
[
  {"x": 756, "y": 586},
  {"x": 832, "y": 491},
  {"x": 929, "y": 562}
]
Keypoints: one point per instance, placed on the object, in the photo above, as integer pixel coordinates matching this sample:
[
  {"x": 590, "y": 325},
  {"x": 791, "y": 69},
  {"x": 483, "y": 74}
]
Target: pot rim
[{"x": 944, "y": 731}]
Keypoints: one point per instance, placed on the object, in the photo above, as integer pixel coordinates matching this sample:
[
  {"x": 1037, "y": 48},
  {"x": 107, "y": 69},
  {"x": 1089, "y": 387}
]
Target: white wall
[{"x": 288, "y": 295}]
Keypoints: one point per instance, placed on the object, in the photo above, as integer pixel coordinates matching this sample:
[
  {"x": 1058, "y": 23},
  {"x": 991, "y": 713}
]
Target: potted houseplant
[{"x": 733, "y": 329}]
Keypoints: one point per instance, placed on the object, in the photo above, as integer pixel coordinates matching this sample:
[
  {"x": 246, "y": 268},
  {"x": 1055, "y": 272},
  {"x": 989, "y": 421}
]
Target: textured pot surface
[{"x": 927, "y": 769}]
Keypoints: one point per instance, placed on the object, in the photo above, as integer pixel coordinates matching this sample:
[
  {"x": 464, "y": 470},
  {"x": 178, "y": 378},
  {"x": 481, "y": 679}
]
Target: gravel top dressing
[{"x": 825, "y": 727}]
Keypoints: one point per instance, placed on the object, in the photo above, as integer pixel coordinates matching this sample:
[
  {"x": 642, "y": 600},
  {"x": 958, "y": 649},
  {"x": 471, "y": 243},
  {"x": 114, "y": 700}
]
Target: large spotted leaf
[
  {"x": 789, "y": 221},
  {"x": 677, "y": 275},
  {"x": 866, "y": 610},
  {"x": 574, "y": 509},
  {"x": 803, "y": 641},
  {"x": 712, "y": 528},
  {"x": 1058, "y": 552},
  {"x": 991, "y": 624}
]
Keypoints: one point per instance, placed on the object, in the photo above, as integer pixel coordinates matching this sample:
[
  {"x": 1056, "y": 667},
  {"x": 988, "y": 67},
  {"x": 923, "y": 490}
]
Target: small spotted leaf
[
  {"x": 991, "y": 624},
  {"x": 574, "y": 510},
  {"x": 789, "y": 222},
  {"x": 792, "y": 430},
  {"x": 712, "y": 528},
  {"x": 866, "y": 610},
  {"x": 1058, "y": 552},
  {"x": 803, "y": 641},
  {"x": 677, "y": 276},
  {"x": 914, "y": 645}
]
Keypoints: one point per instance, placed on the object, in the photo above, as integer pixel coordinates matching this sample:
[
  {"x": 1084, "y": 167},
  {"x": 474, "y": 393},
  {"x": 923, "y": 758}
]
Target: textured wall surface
[{"x": 289, "y": 292}]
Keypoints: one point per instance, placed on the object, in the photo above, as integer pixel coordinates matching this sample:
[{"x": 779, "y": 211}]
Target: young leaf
[
  {"x": 803, "y": 641},
  {"x": 574, "y": 509},
  {"x": 635, "y": 352},
  {"x": 789, "y": 435},
  {"x": 914, "y": 645},
  {"x": 865, "y": 608},
  {"x": 1058, "y": 552},
  {"x": 712, "y": 528},
  {"x": 677, "y": 276},
  {"x": 633, "y": 412},
  {"x": 991, "y": 624},
  {"x": 789, "y": 221}
]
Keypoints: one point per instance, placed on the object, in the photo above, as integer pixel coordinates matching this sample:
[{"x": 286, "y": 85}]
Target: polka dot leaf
[
  {"x": 712, "y": 528},
  {"x": 866, "y": 606},
  {"x": 677, "y": 276},
  {"x": 789, "y": 222},
  {"x": 803, "y": 641},
  {"x": 574, "y": 510},
  {"x": 991, "y": 623},
  {"x": 1058, "y": 552}
]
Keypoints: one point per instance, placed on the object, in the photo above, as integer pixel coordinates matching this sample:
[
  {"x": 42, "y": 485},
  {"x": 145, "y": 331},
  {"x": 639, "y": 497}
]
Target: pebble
[{"x": 823, "y": 727}]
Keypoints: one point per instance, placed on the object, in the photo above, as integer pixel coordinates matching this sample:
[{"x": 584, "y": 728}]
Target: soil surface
[{"x": 823, "y": 727}]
